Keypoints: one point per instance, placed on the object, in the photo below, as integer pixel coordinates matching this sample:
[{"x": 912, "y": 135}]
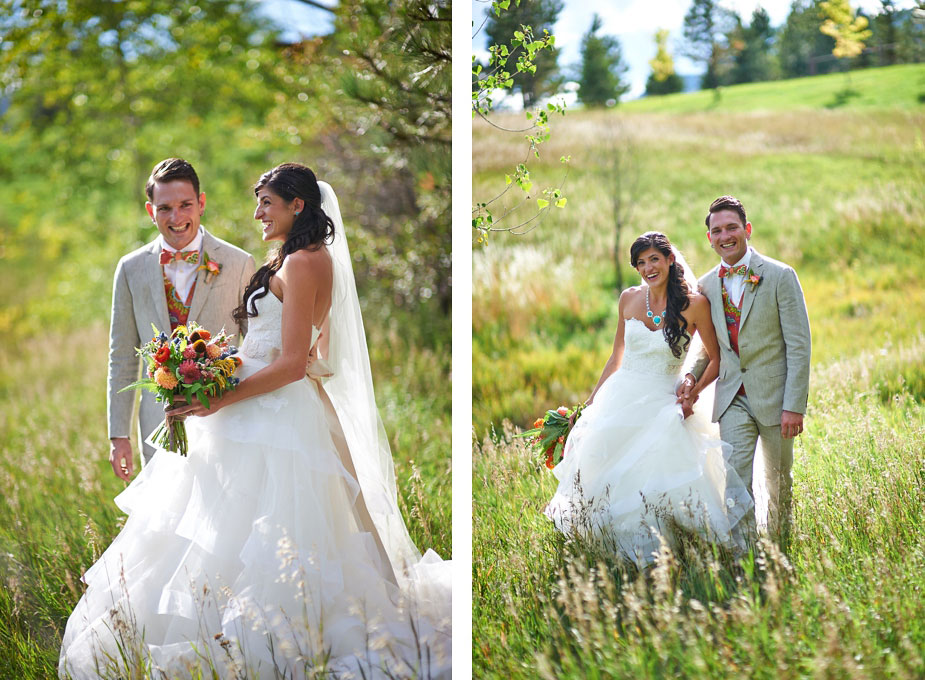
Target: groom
[
  {"x": 764, "y": 358},
  {"x": 183, "y": 275}
]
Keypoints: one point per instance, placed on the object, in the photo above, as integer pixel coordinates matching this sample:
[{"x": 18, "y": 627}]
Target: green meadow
[{"x": 833, "y": 185}]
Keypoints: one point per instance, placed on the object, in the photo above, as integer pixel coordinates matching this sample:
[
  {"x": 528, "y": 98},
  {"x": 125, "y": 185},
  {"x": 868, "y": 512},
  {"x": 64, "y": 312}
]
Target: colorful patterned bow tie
[
  {"x": 168, "y": 256},
  {"x": 725, "y": 271}
]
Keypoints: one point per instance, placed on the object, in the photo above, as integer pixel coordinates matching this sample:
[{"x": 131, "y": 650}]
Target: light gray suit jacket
[
  {"x": 138, "y": 300},
  {"x": 774, "y": 343}
]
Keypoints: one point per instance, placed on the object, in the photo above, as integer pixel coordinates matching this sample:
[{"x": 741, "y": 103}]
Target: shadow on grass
[{"x": 843, "y": 97}]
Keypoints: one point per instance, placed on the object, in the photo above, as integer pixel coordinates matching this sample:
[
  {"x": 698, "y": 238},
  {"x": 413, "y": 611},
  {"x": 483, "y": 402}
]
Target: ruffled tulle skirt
[
  {"x": 634, "y": 471},
  {"x": 247, "y": 557}
]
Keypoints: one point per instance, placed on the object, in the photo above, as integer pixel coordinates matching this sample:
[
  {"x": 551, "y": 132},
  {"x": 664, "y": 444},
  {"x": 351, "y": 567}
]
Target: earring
[{"x": 298, "y": 212}]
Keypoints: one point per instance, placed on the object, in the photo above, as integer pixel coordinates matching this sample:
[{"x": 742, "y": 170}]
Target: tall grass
[
  {"x": 56, "y": 485},
  {"x": 846, "y": 602}
]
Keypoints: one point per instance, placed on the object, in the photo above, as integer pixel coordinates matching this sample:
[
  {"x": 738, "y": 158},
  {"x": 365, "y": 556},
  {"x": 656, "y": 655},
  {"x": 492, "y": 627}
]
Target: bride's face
[
  {"x": 276, "y": 214},
  {"x": 653, "y": 266}
]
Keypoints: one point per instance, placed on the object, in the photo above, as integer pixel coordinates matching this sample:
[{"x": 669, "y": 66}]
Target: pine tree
[
  {"x": 706, "y": 26},
  {"x": 601, "y": 67},
  {"x": 752, "y": 46},
  {"x": 538, "y": 15}
]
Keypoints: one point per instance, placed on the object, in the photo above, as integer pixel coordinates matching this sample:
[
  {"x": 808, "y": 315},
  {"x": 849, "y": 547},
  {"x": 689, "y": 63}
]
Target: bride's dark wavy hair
[
  {"x": 311, "y": 230},
  {"x": 679, "y": 292}
]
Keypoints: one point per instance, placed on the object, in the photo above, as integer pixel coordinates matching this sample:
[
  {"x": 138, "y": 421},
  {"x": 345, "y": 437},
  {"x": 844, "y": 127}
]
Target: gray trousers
[{"x": 739, "y": 427}]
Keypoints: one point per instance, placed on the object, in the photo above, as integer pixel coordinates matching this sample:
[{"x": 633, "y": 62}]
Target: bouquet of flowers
[
  {"x": 550, "y": 432},
  {"x": 189, "y": 363}
]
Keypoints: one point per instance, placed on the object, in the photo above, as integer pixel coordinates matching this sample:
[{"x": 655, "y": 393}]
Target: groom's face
[
  {"x": 728, "y": 236},
  {"x": 176, "y": 209}
]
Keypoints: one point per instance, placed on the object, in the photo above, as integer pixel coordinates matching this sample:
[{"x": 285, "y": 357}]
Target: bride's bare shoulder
[
  {"x": 309, "y": 261},
  {"x": 632, "y": 292}
]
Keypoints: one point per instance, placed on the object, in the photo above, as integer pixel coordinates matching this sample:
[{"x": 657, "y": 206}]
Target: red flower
[
  {"x": 549, "y": 457},
  {"x": 562, "y": 411},
  {"x": 190, "y": 371},
  {"x": 162, "y": 355}
]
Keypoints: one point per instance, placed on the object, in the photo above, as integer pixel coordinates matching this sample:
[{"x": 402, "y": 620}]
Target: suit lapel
[
  {"x": 154, "y": 274},
  {"x": 211, "y": 248},
  {"x": 756, "y": 264}
]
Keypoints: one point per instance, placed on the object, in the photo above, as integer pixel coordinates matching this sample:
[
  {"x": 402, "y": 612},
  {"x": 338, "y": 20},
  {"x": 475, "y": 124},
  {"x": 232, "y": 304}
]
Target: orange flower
[
  {"x": 204, "y": 334},
  {"x": 538, "y": 422},
  {"x": 562, "y": 411},
  {"x": 549, "y": 453},
  {"x": 213, "y": 350},
  {"x": 165, "y": 378},
  {"x": 561, "y": 440},
  {"x": 162, "y": 355}
]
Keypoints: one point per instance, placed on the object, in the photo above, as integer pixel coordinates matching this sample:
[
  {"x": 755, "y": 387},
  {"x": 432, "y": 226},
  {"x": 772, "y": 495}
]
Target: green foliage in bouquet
[{"x": 550, "y": 432}]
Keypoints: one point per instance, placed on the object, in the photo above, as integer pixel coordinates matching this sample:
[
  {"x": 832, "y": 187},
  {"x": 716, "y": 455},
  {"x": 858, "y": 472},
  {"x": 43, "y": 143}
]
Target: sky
[
  {"x": 298, "y": 19},
  {"x": 634, "y": 23}
]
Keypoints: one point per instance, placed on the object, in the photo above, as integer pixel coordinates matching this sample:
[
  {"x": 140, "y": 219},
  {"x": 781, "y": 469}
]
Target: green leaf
[
  {"x": 561, "y": 202},
  {"x": 542, "y": 203},
  {"x": 203, "y": 399}
]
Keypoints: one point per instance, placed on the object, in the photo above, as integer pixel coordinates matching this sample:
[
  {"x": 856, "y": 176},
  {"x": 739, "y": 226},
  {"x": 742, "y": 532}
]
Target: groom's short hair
[
  {"x": 727, "y": 203},
  {"x": 169, "y": 170}
]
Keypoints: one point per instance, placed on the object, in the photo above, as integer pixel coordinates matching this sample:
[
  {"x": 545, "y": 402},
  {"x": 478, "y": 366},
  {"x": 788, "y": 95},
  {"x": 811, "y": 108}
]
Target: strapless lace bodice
[
  {"x": 646, "y": 351},
  {"x": 264, "y": 331}
]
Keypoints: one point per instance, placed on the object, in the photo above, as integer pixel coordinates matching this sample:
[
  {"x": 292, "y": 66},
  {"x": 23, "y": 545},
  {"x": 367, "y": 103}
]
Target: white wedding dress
[
  {"x": 633, "y": 466},
  {"x": 271, "y": 550}
]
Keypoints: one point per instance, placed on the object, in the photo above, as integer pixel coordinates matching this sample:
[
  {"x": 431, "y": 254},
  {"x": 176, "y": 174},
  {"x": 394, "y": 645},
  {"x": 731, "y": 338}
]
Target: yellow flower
[
  {"x": 227, "y": 366},
  {"x": 165, "y": 378}
]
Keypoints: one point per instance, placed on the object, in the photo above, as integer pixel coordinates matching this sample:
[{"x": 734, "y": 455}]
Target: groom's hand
[
  {"x": 120, "y": 457},
  {"x": 791, "y": 424}
]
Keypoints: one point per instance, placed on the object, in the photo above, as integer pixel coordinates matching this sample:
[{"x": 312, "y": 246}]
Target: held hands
[
  {"x": 686, "y": 396},
  {"x": 791, "y": 424}
]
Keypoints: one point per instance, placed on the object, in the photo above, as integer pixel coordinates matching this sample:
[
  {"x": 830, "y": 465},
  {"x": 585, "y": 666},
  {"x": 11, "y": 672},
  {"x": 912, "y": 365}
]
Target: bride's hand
[{"x": 182, "y": 408}]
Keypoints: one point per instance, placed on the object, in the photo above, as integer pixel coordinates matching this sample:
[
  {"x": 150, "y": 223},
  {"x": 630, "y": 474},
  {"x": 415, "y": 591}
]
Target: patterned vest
[
  {"x": 733, "y": 316},
  {"x": 177, "y": 309}
]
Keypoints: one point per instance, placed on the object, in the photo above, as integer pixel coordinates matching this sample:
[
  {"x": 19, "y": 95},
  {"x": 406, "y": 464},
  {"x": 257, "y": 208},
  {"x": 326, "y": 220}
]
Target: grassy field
[
  {"x": 57, "y": 513},
  {"x": 837, "y": 194}
]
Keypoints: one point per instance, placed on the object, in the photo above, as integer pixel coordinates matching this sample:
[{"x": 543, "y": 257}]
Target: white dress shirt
[
  {"x": 183, "y": 274},
  {"x": 735, "y": 285}
]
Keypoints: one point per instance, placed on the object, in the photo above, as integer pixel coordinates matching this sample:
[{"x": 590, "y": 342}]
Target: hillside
[{"x": 893, "y": 87}]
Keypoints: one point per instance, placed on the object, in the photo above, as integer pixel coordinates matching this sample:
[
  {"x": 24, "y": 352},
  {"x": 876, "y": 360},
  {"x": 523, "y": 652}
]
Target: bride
[
  {"x": 634, "y": 468},
  {"x": 276, "y": 548}
]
